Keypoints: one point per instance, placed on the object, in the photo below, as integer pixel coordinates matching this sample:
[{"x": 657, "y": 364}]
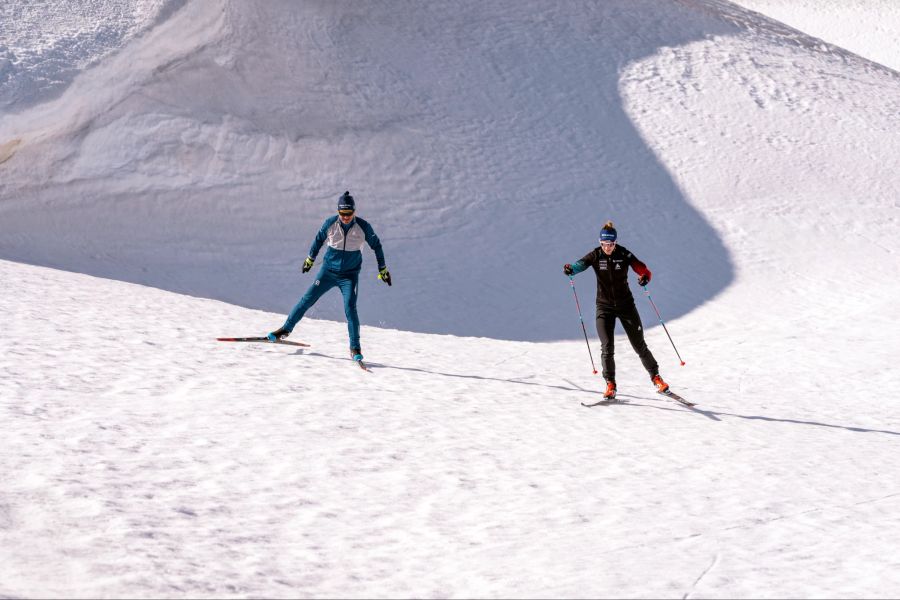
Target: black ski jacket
[{"x": 612, "y": 275}]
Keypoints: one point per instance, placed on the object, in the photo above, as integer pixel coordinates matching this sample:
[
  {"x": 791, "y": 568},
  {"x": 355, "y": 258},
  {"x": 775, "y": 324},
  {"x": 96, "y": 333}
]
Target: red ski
[{"x": 262, "y": 339}]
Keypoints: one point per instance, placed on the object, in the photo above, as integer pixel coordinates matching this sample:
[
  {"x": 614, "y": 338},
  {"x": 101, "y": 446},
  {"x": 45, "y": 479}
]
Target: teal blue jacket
[{"x": 343, "y": 253}]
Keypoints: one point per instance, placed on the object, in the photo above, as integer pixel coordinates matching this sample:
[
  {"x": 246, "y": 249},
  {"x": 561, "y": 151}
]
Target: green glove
[
  {"x": 384, "y": 275},
  {"x": 307, "y": 264}
]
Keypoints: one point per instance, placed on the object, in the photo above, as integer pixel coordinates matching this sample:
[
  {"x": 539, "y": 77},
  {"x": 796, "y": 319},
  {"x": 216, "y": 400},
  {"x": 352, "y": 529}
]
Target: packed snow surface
[
  {"x": 44, "y": 44},
  {"x": 870, "y": 28},
  {"x": 144, "y": 459},
  {"x": 162, "y": 178}
]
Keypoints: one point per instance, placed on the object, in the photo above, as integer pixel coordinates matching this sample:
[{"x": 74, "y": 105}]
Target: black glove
[
  {"x": 567, "y": 269},
  {"x": 307, "y": 264},
  {"x": 385, "y": 275},
  {"x": 643, "y": 280}
]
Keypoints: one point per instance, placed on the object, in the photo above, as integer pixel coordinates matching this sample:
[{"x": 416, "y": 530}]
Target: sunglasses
[
  {"x": 346, "y": 213},
  {"x": 607, "y": 244}
]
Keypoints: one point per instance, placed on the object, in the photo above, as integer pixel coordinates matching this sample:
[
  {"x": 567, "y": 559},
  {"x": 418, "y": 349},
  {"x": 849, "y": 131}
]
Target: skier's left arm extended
[
  {"x": 643, "y": 273},
  {"x": 375, "y": 245}
]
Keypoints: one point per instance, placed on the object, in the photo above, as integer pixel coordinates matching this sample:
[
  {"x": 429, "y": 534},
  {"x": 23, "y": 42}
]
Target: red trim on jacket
[{"x": 640, "y": 268}]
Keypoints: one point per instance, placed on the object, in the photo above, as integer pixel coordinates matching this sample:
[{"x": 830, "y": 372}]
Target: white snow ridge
[{"x": 164, "y": 166}]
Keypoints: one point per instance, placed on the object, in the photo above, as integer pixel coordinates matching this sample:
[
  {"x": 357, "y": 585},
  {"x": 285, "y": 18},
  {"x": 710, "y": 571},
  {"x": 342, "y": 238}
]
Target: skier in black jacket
[{"x": 610, "y": 262}]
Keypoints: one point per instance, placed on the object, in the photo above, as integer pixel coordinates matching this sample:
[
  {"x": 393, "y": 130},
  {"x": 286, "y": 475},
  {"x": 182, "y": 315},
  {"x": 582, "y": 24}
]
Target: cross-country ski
[
  {"x": 676, "y": 397},
  {"x": 263, "y": 339}
]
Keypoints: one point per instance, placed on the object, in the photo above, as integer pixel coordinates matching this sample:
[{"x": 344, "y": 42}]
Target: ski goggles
[{"x": 346, "y": 213}]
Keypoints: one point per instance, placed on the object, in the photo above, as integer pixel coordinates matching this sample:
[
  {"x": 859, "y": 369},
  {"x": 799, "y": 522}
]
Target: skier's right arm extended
[
  {"x": 579, "y": 265},
  {"x": 321, "y": 236},
  {"x": 574, "y": 268}
]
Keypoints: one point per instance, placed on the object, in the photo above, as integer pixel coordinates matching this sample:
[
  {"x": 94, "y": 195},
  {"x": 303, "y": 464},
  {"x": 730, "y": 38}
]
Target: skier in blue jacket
[{"x": 344, "y": 235}]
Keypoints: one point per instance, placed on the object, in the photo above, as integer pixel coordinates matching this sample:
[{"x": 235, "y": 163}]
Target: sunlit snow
[{"x": 165, "y": 164}]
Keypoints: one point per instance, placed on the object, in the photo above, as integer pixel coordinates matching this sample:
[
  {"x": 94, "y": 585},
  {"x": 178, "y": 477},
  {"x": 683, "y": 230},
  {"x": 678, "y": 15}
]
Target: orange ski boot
[
  {"x": 610, "y": 393},
  {"x": 661, "y": 386}
]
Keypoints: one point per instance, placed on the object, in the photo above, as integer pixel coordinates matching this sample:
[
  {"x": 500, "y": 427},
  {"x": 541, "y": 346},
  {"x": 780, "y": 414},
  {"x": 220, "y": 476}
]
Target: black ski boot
[{"x": 278, "y": 334}]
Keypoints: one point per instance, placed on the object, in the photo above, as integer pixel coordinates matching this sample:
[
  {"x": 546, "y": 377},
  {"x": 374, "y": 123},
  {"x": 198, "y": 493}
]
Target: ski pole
[
  {"x": 578, "y": 305},
  {"x": 661, "y": 322}
]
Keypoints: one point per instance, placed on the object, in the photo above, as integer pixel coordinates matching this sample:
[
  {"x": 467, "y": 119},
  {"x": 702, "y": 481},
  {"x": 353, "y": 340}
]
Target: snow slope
[
  {"x": 142, "y": 461},
  {"x": 870, "y": 28},
  {"x": 751, "y": 167},
  {"x": 475, "y": 164},
  {"x": 44, "y": 45}
]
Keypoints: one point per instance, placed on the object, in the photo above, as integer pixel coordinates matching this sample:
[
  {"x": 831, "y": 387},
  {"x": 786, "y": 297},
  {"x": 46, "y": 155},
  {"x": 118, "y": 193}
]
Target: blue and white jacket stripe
[{"x": 344, "y": 250}]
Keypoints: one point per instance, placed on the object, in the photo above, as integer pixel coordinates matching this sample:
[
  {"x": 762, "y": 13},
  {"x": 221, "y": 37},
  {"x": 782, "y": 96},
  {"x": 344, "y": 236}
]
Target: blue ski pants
[{"x": 325, "y": 280}]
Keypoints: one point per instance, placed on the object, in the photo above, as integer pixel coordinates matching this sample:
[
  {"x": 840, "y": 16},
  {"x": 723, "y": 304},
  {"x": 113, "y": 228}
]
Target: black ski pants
[{"x": 631, "y": 322}]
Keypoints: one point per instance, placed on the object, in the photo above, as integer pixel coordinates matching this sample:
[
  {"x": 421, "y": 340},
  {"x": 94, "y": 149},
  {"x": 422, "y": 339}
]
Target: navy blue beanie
[
  {"x": 608, "y": 233},
  {"x": 346, "y": 202}
]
